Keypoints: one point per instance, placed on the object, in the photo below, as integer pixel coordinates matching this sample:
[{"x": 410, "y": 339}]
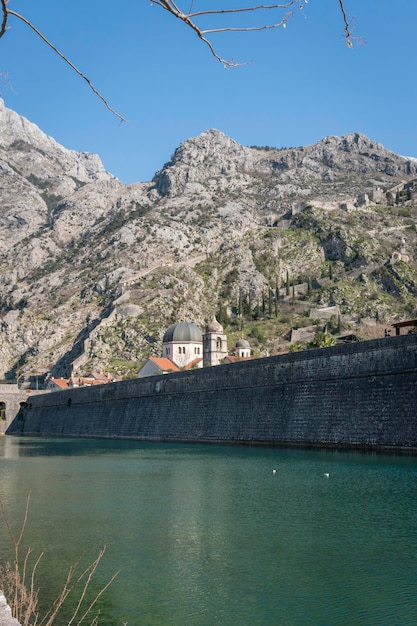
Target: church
[{"x": 184, "y": 346}]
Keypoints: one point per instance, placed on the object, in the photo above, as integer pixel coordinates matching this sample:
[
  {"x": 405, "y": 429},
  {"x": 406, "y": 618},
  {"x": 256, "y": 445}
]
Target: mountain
[{"x": 93, "y": 271}]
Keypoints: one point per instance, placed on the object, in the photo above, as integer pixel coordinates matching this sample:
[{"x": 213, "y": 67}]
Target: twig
[
  {"x": 189, "y": 20},
  {"x": 64, "y": 58},
  {"x": 4, "y": 21},
  {"x": 24, "y": 601}
]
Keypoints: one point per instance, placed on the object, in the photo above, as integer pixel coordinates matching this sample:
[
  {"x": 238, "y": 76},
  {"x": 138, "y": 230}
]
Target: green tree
[
  {"x": 276, "y": 296},
  {"x": 322, "y": 340}
]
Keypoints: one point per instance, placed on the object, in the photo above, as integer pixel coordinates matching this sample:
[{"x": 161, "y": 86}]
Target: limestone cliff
[{"x": 93, "y": 271}]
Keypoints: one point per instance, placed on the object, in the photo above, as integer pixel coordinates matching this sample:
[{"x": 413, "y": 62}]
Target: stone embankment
[{"x": 357, "y": 396}]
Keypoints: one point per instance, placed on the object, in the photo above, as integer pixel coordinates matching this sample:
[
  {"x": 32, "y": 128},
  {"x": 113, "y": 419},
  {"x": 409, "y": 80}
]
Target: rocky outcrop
[
  {"x": 210, "y": 161},
  {"x": 214, "y": 162},
  {"x": 93, "y": 271},
  {"x": 6, "y": 618}
]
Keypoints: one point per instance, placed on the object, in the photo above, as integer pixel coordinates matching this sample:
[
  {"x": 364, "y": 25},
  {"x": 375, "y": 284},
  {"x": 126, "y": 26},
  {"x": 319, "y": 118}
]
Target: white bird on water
[
  {"x": 274, "y": 471},
  {"x": 326, "y": 474}
]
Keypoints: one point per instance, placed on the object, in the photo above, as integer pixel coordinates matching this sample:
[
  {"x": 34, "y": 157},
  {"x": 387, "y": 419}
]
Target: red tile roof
[
  {"x": 236, "y": 359},
  {"x": 62, "y": 383},
  {"x": 164, "y": 364},
  {"x": 193, "y": 363}
]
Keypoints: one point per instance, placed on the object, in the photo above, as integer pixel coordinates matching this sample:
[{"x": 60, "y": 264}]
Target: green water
[{"x": 209, "y": 535}]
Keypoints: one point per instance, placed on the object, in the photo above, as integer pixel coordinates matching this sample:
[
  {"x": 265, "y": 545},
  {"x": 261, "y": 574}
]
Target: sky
[{"x": 298, "y": 86}]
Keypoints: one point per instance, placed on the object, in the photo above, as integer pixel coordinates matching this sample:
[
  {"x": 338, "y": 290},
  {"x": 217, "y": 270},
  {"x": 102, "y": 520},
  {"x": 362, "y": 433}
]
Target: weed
[{"x": 18, "y": 582}]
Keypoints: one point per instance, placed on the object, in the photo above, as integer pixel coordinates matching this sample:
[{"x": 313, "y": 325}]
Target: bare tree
[{"x": 195, "y": 19}]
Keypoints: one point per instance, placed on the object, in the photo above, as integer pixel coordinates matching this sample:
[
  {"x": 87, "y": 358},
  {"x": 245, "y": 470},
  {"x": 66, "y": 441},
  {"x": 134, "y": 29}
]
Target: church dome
[
  {"x": 242, "y": 343},
  {"x": 183, "y": 331},
  {"x": 214, "y": 326}
]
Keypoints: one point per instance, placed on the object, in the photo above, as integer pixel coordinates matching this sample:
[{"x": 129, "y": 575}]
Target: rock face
[
  {"x": 211, "y": 159},
  {"x": 94, "y": 271},
  {"x": 215, "y": 161},
  {"x": 6, "y": 618}
]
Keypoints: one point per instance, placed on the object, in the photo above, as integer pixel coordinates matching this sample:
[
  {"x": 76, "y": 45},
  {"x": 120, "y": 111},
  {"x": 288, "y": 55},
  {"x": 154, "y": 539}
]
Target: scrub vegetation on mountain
[{"x": 95, "y": 282}]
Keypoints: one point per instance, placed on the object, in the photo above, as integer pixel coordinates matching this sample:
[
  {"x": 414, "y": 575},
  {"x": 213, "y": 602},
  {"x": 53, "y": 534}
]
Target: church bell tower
[{"x": 214, "y": 344}]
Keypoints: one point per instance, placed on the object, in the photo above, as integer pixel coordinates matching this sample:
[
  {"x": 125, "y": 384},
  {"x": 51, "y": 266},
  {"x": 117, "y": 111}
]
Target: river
[{"x": 206, "y": 535}]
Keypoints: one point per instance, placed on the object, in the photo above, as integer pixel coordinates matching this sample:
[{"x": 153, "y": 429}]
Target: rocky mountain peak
[
  {"x": 93, "y": 271},
  {"x": 209, "y": 155},
  {"x": 32, "y": 153},
  {"x": 355, "y": 152},
  {"x": 213, "y": 160}
]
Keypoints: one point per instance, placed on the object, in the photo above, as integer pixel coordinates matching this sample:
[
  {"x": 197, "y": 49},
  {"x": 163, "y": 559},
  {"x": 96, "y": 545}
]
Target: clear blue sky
[{"x": 304, "y": 82}]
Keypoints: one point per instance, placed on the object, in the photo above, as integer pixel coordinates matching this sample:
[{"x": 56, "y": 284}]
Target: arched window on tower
[{"x": 2, "y": 411}]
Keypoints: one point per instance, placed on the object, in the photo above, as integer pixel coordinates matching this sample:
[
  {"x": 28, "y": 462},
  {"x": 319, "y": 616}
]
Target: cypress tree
[
  {"x": 220, "y": 314},
  {"x": 276, "y": 297}
]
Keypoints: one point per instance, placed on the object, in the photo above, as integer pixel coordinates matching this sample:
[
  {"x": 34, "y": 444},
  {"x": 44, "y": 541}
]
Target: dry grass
[
  {"x": 371, "y": 331},
  {"x": 19, "y": 585}
]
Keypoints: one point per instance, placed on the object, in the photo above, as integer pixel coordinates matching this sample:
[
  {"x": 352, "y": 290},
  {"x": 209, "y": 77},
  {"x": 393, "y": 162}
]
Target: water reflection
[{"x": 210, "y": 535}]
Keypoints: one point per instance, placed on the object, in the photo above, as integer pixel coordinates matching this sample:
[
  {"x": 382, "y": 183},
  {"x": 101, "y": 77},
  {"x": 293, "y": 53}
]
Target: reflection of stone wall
[{"x": 360, "y": 395}]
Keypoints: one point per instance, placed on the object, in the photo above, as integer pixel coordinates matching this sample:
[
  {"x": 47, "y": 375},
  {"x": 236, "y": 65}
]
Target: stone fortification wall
[
  {"x": 357, "y": 395},
  {"x": 10, "y": 398}
]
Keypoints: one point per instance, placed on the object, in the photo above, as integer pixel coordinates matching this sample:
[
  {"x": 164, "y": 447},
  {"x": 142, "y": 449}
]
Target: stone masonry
[{"x": 361, "y": 395}]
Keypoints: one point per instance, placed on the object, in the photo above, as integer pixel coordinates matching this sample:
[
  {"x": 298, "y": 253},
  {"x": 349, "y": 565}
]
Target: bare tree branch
[
  {"x": 7, "y": 12},
  {"x": 348, "y": 29},
  {"x": 4, "y": 21},
  {"x": 189, "y": 19}
]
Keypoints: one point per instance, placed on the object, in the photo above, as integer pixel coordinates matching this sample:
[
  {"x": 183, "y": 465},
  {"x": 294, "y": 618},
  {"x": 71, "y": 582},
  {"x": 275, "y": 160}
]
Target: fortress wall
[
  {"x": 11, "y": 397},
  {"x": 358, "y": 395}
]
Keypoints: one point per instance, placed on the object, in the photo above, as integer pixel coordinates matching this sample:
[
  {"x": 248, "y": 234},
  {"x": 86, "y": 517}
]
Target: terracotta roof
[
  {"x": 101, "y": 376},
  {"x": 236, "y": 359},
  {"x": 62, "y": 383},
  {"x": 164, "y": 364},
  {"x": 85, "y": 381},
  {"x": 193, "y": 363}
]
